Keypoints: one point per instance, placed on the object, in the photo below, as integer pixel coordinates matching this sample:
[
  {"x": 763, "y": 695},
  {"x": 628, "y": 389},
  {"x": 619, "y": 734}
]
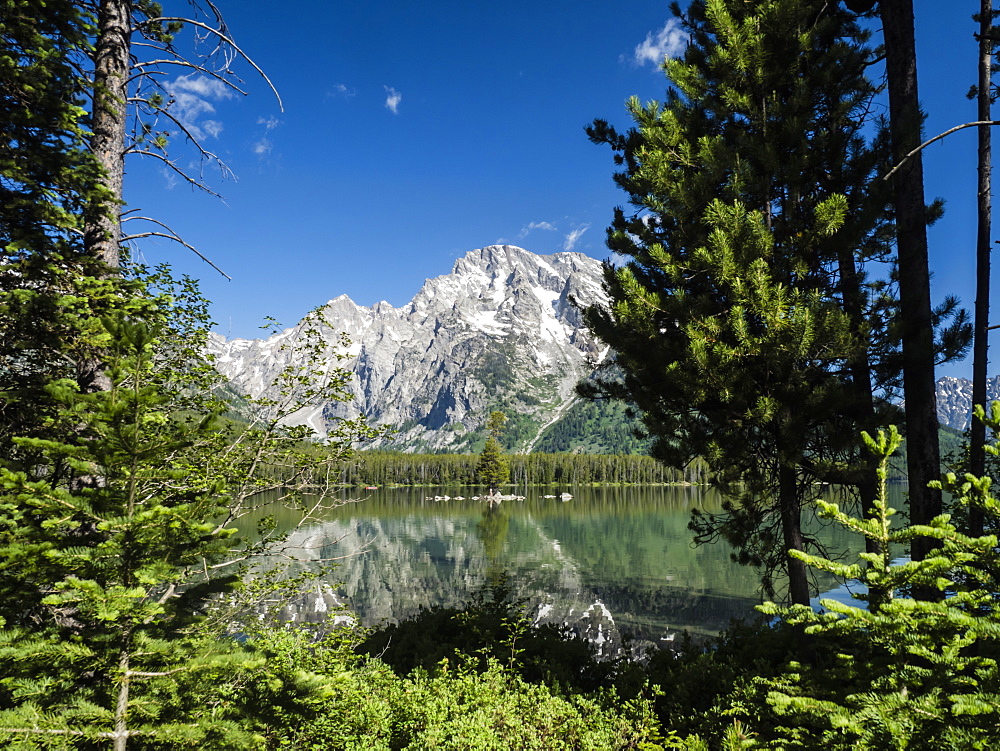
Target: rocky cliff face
[
  {"x": 954, "y": 400},
  {"x": 498, "y": 332}
]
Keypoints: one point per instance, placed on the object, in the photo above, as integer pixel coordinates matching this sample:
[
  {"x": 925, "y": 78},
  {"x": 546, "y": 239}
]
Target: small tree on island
[{"x": 492, "y": 468}]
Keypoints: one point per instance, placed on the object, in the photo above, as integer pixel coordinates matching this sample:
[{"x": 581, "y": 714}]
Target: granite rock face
[
  {"x": 954, "y": 400},
  {"x": 501, "y": 331}
]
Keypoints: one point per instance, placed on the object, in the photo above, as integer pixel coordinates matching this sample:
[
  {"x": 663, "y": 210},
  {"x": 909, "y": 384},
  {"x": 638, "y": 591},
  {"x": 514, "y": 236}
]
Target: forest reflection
[{"x": 627, "y": 548}]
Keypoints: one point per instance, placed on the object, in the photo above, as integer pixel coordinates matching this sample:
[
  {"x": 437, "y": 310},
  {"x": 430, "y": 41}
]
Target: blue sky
[{"x": 412, "y": 133}]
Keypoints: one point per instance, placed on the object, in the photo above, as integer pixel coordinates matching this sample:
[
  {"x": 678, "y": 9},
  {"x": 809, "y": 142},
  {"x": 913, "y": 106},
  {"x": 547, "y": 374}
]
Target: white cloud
[
  {"x": 670, "y": 41},
  {"x": 212, "y": 127},
  {"x": 341, "y": 90},
  {"x": 203, "y": 86},
  {"x": 574, "y": 236},
  {"x": 169, "y": 177},
  {"x": 392, "y": 99},
  {"x": 262, "y": 147},
  {"x": 191, "y": 95},
  {"x": 535, "y": 225},
  {"x": 269, "y": 123}
]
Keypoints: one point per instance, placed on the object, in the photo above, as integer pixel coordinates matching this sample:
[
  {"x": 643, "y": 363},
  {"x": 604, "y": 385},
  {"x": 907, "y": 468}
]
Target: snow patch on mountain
[{"x": 498, "y": 332}]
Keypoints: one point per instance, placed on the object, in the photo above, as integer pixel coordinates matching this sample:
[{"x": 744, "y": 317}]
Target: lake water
[{"x": 611, "y": 559}]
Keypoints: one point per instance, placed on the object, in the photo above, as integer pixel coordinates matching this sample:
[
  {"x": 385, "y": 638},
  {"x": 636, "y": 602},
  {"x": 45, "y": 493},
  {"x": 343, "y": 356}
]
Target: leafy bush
[{"x": 314, "y": 695}]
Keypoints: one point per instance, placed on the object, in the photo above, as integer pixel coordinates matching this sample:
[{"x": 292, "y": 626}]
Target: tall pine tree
[{"x": 742, "y": 317}]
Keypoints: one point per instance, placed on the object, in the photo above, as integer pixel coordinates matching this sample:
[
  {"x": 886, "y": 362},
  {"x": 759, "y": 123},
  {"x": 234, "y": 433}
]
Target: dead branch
[
  {"x": 173, "y": 236},
  {"x": 938, "y": 137},
  {"x": 225, "y": 39},
  {"x": 141, "y": 66},
  {"x": 205, "y": 153}
]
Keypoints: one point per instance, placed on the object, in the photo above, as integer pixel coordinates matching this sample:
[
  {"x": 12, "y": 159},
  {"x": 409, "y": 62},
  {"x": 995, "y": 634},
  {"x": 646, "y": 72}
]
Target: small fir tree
[
  {"x": 900, "y": 672},
  {"x": 492, "y": 468}
]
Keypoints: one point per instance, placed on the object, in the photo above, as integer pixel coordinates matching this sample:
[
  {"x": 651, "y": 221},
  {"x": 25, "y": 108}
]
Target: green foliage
[
  {"x": 492, "y": 468},
  {"x": 47, "y": 174},
  {"x": 384, "y": 468},
  {"x": 311, "y": 690},
  {"x": 741, "y": 319},
  {"x": 116, "y": 526},
  {"x": 497, "y": 710},
  {"x": 602, "y": 426},
  {"x": 901, "y": 672},
  {"x": 97, "y": 544}
]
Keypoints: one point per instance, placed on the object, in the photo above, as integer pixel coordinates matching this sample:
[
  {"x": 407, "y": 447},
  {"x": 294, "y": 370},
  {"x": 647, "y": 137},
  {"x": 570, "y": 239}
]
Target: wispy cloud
[
  {"x": 535, "y": 225},
  {"x": 262, "y": 147},
  {"x": 269, "y": 123},
  {"x": 574, "y": 236},
  {"x": 341, "y": 90},
  {"x": 392, "y": 99},
  {"x": 169, "y": 178},
  {"x": 192, "y": 96},
  {"x": 670, "y": 41},
  {"x": 212, "y": 127}
]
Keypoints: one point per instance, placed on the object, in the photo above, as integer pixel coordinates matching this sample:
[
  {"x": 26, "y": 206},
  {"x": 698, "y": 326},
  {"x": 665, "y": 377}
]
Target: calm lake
[{"x": 611, "y": 559}]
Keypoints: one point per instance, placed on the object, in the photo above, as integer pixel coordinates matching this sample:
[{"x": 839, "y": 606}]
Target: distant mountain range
[
  {"x": 954, "y": 400},
  {"x": 501, "y": 331}
]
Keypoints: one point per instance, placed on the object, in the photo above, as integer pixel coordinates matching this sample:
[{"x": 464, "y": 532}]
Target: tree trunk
[
  {"x": 980, "y": 345},
  {"x": 102, "y": 234},
  {"x": 121, "y": 732},
  {"x": 859, "y": 367},
  {"x": 923, "y": 461},
  {"x": 102, "y": 226},
  {"x": 791, "y": 529}
]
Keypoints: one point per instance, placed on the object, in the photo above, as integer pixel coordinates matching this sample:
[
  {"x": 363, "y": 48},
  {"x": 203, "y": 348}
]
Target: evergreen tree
[
  {"x": 49, "y": 288},
  {"x": 742, "y": 319},
  {"x": 117, "y": 503},
  {"x": 492, "y": 468},
  {"x": 893, "y": 671}
]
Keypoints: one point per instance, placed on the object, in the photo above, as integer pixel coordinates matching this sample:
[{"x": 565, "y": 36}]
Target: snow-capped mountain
[
  {"x": 499, "y": 332},
  {"x": 954, "y": 400}
]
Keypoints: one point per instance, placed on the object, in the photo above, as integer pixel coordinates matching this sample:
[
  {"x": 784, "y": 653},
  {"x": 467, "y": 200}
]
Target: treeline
[{"x": 396, "y": 468}]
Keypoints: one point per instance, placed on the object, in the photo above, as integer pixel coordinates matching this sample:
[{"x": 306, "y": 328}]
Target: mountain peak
[
  {"x": 954, "y": 400},
  {"x": 495, "y": 333}
]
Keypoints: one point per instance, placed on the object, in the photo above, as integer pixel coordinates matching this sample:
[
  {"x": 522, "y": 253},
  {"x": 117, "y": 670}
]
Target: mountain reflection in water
[{"x": 617, "y": 559}]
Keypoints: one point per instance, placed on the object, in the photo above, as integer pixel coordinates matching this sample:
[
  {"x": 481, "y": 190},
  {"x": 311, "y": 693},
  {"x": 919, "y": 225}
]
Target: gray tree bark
[{"x": 905, "y": 118}]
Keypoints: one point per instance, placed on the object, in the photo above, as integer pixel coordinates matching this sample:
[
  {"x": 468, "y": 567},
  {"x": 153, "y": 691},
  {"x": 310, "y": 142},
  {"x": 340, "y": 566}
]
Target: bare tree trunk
[
  {"x": 102, "y": 229},
  {"x": 859, "y": 366},
  {"x": 121, "y": 705},
  {"x": 980, "y": 345},
  {"x": 111, "y": 70},
  {"x": 791, "y": 529},
  {"x": 923, "y": 455}
]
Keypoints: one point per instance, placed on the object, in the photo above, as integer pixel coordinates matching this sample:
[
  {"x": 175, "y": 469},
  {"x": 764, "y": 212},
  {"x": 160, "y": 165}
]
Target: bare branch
[
  {"x": 206, "y": 154},
  {"x": 184, "y": 64},
  {"x": 175, "y": 168},
  {"x": 225, "y": 38},
  {"x": 173, "y": 236},
  {"x": 937, "y": 138},
  {"x": 158, "y": 674}
]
